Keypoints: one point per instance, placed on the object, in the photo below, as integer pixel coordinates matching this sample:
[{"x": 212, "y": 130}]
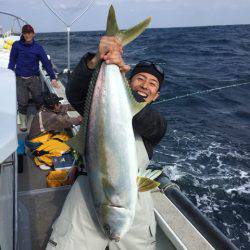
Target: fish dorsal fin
[
  {"x": 79, "y": 140},
  {"x": 145, "y": 179},
  {"x": 125, "y": 36}
]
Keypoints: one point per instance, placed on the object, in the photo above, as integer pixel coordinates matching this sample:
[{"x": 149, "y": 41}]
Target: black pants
[{"x": 24, "y": 86}]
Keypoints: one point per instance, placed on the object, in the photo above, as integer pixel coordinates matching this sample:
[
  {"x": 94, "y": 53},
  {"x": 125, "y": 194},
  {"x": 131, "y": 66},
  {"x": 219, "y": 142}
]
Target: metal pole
[
  {"x": 68, "y": 25},
  {"x": 68, "y": 35}
]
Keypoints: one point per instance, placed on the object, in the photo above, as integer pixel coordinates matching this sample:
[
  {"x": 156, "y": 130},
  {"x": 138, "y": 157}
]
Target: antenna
[{"x": 68, "y": 25}]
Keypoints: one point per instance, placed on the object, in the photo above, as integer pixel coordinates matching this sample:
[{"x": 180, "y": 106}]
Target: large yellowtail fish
[{"x": 106, "y": 141}]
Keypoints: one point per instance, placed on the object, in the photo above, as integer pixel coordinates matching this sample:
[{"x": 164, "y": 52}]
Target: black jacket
[{"x": 148, "y": 123}]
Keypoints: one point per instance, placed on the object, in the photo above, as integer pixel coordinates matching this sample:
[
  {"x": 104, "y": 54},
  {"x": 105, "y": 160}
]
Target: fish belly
[{"x": 111, "y": 150}]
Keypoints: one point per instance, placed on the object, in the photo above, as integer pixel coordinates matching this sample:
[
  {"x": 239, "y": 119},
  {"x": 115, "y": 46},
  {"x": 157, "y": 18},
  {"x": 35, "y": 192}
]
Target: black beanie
[
  {"x": 50, "y": 100},
  {"x": 147, "y": 69}
]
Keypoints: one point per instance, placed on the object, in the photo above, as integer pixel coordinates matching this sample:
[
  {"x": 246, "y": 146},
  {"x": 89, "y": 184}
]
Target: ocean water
[{"x": 206, "y": 101}]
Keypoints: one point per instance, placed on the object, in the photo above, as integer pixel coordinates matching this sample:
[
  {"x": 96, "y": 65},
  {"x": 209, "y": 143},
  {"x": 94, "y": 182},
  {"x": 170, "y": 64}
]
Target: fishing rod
[
  {"x": 68, "y": 25},
  {"x": 201, "y": 92}
]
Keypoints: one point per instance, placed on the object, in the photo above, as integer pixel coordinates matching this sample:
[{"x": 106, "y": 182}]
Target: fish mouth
[
  {"x": 116, "y": 238},
  {"x": 111, "y": 236}
]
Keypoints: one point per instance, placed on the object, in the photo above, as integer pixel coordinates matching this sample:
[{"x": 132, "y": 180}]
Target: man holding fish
[{"x": 111, "y": 206}]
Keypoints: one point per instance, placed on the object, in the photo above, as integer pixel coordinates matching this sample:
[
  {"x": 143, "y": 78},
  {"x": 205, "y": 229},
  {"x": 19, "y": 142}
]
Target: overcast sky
[{"x": 165, "y": 13}]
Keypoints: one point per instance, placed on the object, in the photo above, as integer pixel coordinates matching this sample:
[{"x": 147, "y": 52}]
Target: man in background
[
  {"x": 24, "y": 60},
  {"x": 47, "y": 136}
]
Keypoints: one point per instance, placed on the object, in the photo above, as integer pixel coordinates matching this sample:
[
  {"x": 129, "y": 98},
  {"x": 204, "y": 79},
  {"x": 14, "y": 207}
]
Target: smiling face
[
  {"x": 28, "y": 37},
  {"x": 145, "y": 85}
]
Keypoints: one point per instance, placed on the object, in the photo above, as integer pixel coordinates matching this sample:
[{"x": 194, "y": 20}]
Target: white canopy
[{"x": 8, "y": 120}]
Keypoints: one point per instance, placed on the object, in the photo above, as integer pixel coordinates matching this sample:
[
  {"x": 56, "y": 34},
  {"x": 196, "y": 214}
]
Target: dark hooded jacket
[
  {"x": 148, "y": 123},
  {"x": 24, "y": 59}
]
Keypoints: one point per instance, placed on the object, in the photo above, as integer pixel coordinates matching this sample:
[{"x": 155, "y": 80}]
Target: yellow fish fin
[{"x": 146, "y": 184}]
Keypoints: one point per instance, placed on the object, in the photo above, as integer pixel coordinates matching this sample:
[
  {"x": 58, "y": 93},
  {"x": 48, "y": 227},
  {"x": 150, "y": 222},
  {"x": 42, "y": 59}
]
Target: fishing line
[{"x": 201, "y": 92}]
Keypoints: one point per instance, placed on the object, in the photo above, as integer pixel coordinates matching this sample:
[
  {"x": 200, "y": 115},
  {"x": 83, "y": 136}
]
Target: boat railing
[{"x": 199, "y": 221}]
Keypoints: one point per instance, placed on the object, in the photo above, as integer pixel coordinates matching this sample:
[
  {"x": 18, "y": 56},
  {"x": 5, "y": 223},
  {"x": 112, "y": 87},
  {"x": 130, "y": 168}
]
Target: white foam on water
[
  {"x": 206, "y": 204},
  {"x": 235, "y": 154},
  {"x": 248, "y": 229},
  {"x": 166, "y": 154},
  {"x": 243, "y": 174},
  {"x": 173, "y": 172},
  {"x": 243, "y": 189}
]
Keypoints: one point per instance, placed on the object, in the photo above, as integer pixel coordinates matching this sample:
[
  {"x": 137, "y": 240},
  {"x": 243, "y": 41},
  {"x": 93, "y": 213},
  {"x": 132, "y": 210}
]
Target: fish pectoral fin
[
  {"x": 145, "y": 179},
  {"x": 150, "y": 173},
  {"x": 146, "y": 184},
  {"x": 125, "y": 36}
]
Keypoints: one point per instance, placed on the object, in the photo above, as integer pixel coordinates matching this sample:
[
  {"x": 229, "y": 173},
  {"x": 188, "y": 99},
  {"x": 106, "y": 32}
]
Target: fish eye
[{"x": 106, "y": 228}]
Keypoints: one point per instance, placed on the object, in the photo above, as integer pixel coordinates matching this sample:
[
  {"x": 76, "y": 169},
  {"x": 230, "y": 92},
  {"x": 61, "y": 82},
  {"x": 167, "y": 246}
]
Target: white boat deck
[
  {"x": 5, "y": 53},
  {"x": 4, "y": 58}
]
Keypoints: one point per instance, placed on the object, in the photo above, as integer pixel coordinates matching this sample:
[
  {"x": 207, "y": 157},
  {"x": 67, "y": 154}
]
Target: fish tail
[{"x": 125, "y": 36}]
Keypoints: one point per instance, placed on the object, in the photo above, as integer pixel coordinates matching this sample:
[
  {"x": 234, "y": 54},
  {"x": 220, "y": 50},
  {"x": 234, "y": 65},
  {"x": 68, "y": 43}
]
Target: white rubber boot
[{"x": 23, "y": 122}]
